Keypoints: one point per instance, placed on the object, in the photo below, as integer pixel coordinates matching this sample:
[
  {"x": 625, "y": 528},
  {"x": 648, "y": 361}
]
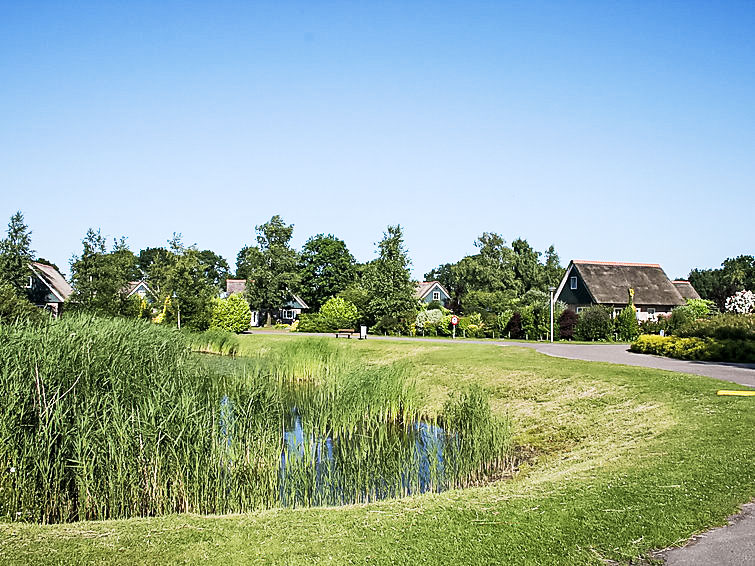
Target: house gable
[{"x": 426, "y": 290}]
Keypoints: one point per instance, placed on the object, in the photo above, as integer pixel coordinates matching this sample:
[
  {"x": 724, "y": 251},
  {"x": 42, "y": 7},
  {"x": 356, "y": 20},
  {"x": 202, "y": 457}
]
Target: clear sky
[{"x": 620, "y": 131}]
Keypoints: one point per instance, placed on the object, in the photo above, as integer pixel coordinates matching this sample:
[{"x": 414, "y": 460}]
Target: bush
[
  {"x": 627, "y": 327},
  {"x": 694, "y": 348},
  {"x": 594, "y": 323},
  {"x": 514, "y": 327},
  {"x": 726, "y": 326},
  {"x": 310, "y": 323},
  {"x": 655, "y": 326},
  {"x": 14, "y": 307},
  {"x": 692, "y": 310},
  {"x": 231, "y": 314},
  {"x": 567, "y": 322},
  {"x": 741, "y": 303},
  {"x": 428, "y": 322},
  {"x": 337, "y": 313}
]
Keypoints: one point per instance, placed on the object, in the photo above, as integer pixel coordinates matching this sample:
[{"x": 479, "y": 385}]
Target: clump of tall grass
[
  {"x": 214, "y": 341},
  {"x": 115, "y": 418}
]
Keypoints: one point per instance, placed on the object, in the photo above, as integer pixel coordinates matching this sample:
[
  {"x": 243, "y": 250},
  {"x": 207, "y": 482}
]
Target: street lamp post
[{"x": 551, "y": 289}]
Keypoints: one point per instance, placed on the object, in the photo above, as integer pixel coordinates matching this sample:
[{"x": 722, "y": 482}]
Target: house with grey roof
[
  {"x": 429, "y": 291},
  {"x": 47, "y": 288},
  {"x": 686, "y": 290},
  {"x": 286, "y": 315},
  {"x": 608, "y": 283}
]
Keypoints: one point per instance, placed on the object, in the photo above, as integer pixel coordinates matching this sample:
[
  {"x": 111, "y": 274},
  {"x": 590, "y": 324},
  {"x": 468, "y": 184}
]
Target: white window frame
[
  {"x": 573, "y": 282},
  {"x": 580, "y": 309},
  {"x": 436, "y": 295},
  {"x": 29, "y": 284},
  {"x": 616, "y": 311},
  {"x": 288, "y": 314},
  {"x": 651, "y": 310}
]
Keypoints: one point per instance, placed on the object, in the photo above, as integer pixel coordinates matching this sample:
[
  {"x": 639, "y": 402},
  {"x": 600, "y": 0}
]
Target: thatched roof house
[
  {"x": 608, "y": 283},
  {"x": 47, "y": 287}
]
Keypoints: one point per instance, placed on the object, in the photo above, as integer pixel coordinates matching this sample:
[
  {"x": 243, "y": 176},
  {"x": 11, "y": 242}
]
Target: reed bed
[
  {"x": 114, "y": 418},
  {"x": 214, "y": 341}
]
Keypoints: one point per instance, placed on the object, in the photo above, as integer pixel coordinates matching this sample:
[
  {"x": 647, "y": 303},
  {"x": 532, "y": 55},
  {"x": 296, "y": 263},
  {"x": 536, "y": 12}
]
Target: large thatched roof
[{"x": 609, "y": 283}]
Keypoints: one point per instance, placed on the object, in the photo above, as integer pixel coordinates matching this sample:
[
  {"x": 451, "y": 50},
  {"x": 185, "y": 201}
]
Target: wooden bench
[{"x": 345, "y": 332}]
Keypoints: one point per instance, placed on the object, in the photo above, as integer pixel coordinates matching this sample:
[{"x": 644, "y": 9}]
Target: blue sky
[{"x": 616, "y": 131}]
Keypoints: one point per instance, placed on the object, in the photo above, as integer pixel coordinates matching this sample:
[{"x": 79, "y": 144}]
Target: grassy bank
[{"x": 619, "y": 461}]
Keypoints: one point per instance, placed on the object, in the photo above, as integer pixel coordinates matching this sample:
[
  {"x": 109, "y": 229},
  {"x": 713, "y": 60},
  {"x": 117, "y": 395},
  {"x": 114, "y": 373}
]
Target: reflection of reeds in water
[{"x": 114, "y": 418}]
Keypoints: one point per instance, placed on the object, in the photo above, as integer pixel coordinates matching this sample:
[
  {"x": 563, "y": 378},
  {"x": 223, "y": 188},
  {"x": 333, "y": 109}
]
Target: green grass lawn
[{"x": 616, "y": 461}]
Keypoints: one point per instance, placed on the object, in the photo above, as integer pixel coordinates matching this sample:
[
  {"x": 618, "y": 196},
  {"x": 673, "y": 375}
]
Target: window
[
  {"x": 29, "y": 283},
  {"x": 580, "y": 309},
  {"x": 651, "y": 311},
  {"x": 573, "y": 282},
  {"x": 288, "y": 315},
  {"x": 436, "y": 295},
  {"x": 617, "y": 312}
]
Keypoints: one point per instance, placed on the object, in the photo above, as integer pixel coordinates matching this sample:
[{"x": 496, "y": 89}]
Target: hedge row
[{"x": 705, "y": 349}]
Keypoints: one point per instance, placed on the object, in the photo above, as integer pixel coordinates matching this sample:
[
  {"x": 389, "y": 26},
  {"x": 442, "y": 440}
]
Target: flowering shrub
[{"x": 741, "y": 303}]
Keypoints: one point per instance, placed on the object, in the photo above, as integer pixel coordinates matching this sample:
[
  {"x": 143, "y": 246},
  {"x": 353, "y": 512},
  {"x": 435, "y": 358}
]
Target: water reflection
[{"x": 389, "y": 460}]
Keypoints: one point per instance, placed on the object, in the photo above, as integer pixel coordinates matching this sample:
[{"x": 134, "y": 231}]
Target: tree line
[{"x": 497, "y": 284}]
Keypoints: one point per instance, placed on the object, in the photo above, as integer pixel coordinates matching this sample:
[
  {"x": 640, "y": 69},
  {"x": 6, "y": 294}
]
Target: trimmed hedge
[
  {"x": 722, "y": 327},
  {"x": 694, "y": 348}
]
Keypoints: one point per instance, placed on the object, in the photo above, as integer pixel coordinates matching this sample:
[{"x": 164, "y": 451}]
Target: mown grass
[{"x": 620, "y": 461}]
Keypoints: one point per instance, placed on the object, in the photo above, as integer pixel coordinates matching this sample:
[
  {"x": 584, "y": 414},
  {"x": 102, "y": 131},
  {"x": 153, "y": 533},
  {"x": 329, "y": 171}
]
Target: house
[
  {"x": 686, "y": 290},
  {"x": 287, "y": 315},
  {"x": 429, "y": 291},
  {"x": 608, "y": 283},
  {"x": 140, "y": 289},
  {"x": 47, "y": 288}
]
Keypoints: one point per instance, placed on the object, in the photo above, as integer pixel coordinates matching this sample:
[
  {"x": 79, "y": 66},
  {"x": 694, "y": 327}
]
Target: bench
[{"x": 345, "y": 332}]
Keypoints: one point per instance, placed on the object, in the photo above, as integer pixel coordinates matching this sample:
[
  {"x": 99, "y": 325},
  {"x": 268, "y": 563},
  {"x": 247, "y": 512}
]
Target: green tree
[
  {"x": 392, "y": 301},
  {"x": 527, "y": 268},
  {"x": 16, "y": 254},
  {"x": 270, "y": 267},
  {"x": 627, "y": 327},
  {"x": 215, "y": 268},
  {"x": 326, "y": 267},
  {"x": 14, "y": 306},
  {"x": 189, "y": 291},
  {"x": 552, "y": 272},
  {"x": 100, "y": 279}
]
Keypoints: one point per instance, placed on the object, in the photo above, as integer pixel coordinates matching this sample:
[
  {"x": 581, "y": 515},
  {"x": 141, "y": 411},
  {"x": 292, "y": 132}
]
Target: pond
[{"x": 368, "y": 464}]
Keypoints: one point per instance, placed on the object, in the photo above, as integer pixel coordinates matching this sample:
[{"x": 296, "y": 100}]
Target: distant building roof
[
  {"x": 608, "y": 282},
  {"x": 53, "y": 279},
  {"x": 685, "y": 289},
  {"x": 134, "y": 286},
  {"x": 424, "y": 287},
  {"x": 235, "y": 286}
]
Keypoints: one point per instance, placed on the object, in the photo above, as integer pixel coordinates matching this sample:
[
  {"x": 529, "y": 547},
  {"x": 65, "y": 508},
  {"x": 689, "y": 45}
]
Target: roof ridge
[
  {"x": 628, "y": 263},
  {"x": 680, "y": 281}
]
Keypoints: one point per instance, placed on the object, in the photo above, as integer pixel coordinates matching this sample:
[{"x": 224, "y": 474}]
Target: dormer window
[
  {"x": 436, "y": 295},
  {"x": 573, "y": 282}
]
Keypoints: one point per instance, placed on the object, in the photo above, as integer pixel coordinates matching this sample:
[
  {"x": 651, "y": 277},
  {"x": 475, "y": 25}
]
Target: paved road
[
  {"x": 743, "y": 374},
  {"x": 733, "y": 545}
]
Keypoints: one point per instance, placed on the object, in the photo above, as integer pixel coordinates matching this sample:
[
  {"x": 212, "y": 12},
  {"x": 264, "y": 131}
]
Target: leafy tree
[
  {"x": 231, "y": 314},
  {"x": 389, "y": 285},
  {"x": 154, "y": 265},
  {"x": 16, "y": 254},
  {"x": 270, "y": 267},
  {"x": 736, "y": 274},
  {"x": 215, "y": 268},
  {"x": 552, "y": 272},
  {"x": 527, "y": 269},
  {"x": 339, "y": 313},
  {"x": 326, "y": 268},
  {"x": 627, "y": 327},
  {"x": 186, "y": 289},
  {"x": 594, "y": 323},
  {"x": 100, "y": 279}
]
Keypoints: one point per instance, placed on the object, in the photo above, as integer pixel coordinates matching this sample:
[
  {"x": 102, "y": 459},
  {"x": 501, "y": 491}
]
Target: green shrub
[
  {"x": 232, "y": 314},
  {"x": 692, "y": 310},
  {"x": 694, "y": 348},
  {"x": 627, "y": 327},
  {"x": 14, "y": 307},
  {"x": 594, "y": 323},
  {"x": 655, "y": 326},
  {"x": 337, "y": 313},
  {"x": 723, "y": 326},
  {"x": 311, "y": 323},
  {"x": 214, "y": 341},
  {"x": 567, "y": 323}
]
